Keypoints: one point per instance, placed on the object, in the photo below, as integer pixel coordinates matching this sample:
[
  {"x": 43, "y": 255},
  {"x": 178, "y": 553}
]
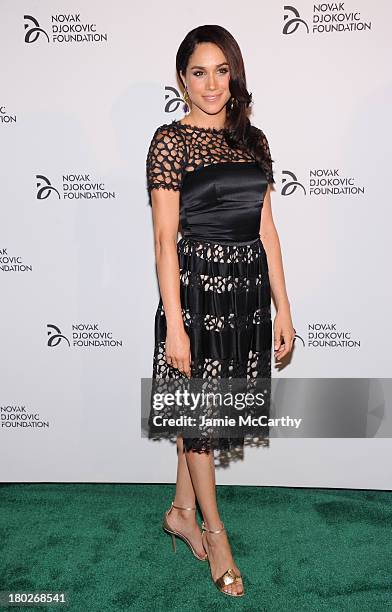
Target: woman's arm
[
  {"x": 165, "y": 212},
  {"x": 283, "y": 326}
]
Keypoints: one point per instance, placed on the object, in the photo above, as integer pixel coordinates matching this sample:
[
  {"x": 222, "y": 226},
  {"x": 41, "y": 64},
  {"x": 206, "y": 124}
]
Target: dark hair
[{"x": 238, "y": 128}]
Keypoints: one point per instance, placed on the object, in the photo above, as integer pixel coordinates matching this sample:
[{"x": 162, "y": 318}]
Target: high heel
[
  {"x": 229, "y": 577},
  {"x": 177, "y": 534}
]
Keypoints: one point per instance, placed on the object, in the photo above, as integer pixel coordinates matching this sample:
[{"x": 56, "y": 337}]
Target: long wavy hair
[{"x": 238, "y": 129}]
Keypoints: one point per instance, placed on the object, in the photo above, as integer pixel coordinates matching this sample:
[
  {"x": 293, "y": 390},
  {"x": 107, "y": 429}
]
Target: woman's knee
[{"x": 180, "y": 444}]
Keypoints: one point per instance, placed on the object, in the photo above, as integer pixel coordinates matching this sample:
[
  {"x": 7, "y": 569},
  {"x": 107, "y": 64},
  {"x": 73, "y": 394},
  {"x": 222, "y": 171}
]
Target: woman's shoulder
[
  {"x": 257, "y": 130},
  {"x": 260, "y": 136},
  {"x": 168, "y": 133},
  {"x": 169, "y": 129}
]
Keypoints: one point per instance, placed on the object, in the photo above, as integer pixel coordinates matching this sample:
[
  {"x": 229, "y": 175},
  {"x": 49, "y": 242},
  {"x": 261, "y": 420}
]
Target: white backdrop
[{"x": 81, "y": 95}]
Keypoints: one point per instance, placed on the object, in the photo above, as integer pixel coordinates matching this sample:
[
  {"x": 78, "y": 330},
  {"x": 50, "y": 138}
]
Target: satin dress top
[{"x": 222, "y": 202}]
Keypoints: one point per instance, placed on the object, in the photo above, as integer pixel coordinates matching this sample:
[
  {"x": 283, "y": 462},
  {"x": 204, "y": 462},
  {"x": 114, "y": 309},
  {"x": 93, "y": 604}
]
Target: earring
[
  {"x": 232, "y": 103},
  {"x": 187, "y": 99}
]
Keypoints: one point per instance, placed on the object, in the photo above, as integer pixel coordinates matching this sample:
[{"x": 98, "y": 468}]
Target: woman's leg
[
  {"x": 185, "y": 520},
  {"x": 202, "y": 473}
]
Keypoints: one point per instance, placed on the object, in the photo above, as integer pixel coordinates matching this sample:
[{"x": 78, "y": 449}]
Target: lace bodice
[{"x": 177, "y": 149}]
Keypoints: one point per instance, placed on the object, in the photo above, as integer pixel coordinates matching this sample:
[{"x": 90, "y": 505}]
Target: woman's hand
[
  {"x": 284, "y": 333},
  {"x": 178, "y": 351}
]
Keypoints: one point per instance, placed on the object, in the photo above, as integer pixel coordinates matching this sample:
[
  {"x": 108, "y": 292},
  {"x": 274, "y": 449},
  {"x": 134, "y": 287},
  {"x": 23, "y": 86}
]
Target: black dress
[{"x": 224, "y": 284}]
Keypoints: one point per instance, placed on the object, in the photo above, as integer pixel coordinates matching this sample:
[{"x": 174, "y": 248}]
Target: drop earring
[
  {"x": 232, "y": 103},
  {"x": 187, "y": 99}
]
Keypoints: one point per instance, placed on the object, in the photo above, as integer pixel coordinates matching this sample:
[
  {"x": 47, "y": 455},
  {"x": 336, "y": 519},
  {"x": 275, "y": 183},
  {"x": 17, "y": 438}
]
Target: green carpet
[{"x": 298, "y": 549}]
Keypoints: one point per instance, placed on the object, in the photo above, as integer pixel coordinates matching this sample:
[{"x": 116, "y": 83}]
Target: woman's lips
[{"x": 212, "y": 98}]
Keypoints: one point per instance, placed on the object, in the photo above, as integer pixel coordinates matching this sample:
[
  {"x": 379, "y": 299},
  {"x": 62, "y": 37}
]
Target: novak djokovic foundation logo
[
  {"x": 321, "y": 182},
  {"x": 18, "y": 417},
  {"x": 7, "y": 116},
  {"x": 327, "y": 335},
  {"x": 62, "y": 28},
  {"x": 326, "y": 18},
  {"x": 173, "y": 99},
  {"x": 13, "y": 263},
  {"x": 73, "y": 186},
  {"x": 82, "y": 335}
]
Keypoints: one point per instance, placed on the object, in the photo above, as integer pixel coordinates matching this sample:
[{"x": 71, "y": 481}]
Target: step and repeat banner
[{"x": 84, "y": 84}]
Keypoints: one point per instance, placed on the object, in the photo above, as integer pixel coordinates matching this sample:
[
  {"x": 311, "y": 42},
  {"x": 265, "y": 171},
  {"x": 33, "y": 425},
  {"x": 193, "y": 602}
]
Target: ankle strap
[
  {"x": 182, "y": 507},
  {"x": 204, "y": 528}
]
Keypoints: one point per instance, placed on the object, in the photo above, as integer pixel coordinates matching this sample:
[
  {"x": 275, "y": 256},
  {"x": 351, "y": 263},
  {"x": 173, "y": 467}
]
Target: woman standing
[{"x": 210, "y": 173}]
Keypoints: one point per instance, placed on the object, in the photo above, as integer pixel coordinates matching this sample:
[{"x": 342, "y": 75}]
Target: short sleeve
[
  {"x": 165, "y": 159},
  {"x": 267, "y": 161}
]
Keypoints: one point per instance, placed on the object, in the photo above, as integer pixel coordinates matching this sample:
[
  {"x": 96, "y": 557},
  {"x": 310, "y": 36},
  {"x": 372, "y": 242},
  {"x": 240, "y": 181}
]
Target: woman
[{"x": 211, "y": 172}]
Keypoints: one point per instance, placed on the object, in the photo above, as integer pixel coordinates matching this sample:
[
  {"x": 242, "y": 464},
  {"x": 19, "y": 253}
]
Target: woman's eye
[{"x": 224, "y": 70}]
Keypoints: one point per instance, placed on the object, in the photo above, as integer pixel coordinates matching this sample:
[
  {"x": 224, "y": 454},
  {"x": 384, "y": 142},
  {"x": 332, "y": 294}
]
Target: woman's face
[{"x": 207, "y": 79}]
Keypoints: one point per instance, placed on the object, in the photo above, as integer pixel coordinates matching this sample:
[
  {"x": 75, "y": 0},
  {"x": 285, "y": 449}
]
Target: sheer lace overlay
[
  {"x": 224, "y": 290},
  {"x": 178, "y": 148}
]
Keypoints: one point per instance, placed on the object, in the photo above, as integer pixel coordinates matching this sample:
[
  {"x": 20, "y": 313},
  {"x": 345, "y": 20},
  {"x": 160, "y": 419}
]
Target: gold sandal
[
  {"x": 229, "y": 577},
  {"x": 177, "y": 534}
]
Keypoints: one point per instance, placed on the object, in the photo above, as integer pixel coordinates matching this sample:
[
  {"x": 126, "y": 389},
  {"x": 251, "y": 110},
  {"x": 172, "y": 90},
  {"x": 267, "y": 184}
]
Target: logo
[
  {"x": 327, "y": 17},
  {"x": 290, "y": 186},
  {"x": 33, "y": 30},
  {"x": 63, "y": 28},
  {"x": 321, "y": 182},
  {"x": 73, "y": 187},
  {"x": 45, "y": 188},
  {"x": 173, "y": 99},
  {"x": 13, "y": 263},
  {"x": 55, "y": 337},
  {"x": 295, "y": 22},
  {"x": 83, "y": 335}
]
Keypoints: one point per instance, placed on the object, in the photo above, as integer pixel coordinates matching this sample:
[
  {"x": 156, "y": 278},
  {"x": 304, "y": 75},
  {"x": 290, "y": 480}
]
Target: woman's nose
[{"x": 211, "y": 83}]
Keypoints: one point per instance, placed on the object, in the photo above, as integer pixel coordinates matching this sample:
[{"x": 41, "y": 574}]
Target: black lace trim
[
  {"x": 219, "y": 252},
  {"x": 256, "y": 369},
  {"x": 209, "y": 130}
]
